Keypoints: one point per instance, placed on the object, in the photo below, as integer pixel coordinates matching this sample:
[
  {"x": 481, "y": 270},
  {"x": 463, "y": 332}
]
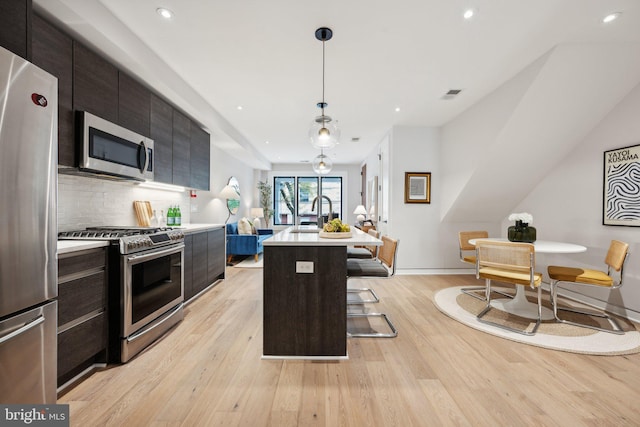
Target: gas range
[{"x": 130, "y": 239}]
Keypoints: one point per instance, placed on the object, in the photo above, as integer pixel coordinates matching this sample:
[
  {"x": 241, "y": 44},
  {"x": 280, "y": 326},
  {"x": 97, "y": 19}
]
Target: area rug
[
  {"x": 551, "y": 334},
  {"x": 249, "y": 262}
]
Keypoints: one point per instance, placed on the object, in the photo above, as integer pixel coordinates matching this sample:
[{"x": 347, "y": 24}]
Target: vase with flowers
[{"x": 521, "y": 231}]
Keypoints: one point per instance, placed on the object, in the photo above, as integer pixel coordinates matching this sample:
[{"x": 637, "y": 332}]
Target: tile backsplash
[{"x": 87, "y": 202}]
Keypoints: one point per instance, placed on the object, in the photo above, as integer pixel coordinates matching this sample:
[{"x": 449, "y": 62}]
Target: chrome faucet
[{"x": 313, "y": 207}]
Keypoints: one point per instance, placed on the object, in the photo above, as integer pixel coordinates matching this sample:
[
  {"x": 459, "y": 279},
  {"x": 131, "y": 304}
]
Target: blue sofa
[{"x": 245, "y": 244}]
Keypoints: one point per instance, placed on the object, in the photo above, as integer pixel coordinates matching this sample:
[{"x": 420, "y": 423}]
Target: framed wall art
[
  {"x": 417, "y": 187},
  {"x": 621, "y": 201}
]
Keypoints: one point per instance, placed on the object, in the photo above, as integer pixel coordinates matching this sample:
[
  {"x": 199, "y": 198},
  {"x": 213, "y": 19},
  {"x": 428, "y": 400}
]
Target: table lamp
[
  {"x": 257, "y": 213},
  {"x": 361, "y": 212}
]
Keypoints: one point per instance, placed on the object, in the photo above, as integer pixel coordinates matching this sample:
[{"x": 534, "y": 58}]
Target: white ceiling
[{"x": 216, "y": 55}]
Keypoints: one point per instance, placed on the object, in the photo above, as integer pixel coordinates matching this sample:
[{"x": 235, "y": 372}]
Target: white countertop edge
[
  {"x": 190, "y": 228},
  {"x": 289, "y": 238},
  {"x": 66, "y": 246}
]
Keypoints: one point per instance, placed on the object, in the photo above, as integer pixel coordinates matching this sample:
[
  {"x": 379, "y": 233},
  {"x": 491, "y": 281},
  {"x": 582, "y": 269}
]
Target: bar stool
[
  {"x": 366, "y": 252},
  {"x": 383, "y": 266},
  {"x": 369, "y": 253}
]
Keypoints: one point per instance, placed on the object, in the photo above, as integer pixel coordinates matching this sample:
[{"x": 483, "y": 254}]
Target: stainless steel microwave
[{"x": 110, "y": 149}]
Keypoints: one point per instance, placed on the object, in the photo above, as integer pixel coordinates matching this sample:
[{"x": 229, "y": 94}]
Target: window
[
  {"x": 283, "y": 200},
  {"x": 293, "y": 198}
]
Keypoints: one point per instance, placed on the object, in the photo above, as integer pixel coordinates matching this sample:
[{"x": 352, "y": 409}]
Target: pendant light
[
  {"x": 322, "y": 164},
  {"x": 324, "y": 132}
]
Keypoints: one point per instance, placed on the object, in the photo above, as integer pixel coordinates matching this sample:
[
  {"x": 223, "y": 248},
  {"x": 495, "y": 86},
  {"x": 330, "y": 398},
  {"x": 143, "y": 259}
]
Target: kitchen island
[{"x": 305, "y": 294}]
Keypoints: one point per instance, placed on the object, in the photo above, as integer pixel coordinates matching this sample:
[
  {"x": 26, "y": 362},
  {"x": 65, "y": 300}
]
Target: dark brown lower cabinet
[
  {"x": 204, "y": 261},
  {"x": 82, "y": 319}
]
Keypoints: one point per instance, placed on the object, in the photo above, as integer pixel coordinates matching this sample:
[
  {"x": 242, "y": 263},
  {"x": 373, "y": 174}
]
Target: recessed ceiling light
[
  {"x": 468, "y": 14},
  {"x": 239, "y": 107},
  {"x": 611, "y": 17},
  {"x": 165, "y": 13},
  {"x": 397, "y": 109},
  {"x": 266, "y": 142}
]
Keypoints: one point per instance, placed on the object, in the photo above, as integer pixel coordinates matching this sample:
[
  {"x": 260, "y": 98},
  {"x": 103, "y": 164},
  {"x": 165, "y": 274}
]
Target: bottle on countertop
[
  {"x": 154, "y": 219},
  {"x": 162, "y": 222},
  {"x": 178, "y": 216},
  {"x": 171, "y": 217}
]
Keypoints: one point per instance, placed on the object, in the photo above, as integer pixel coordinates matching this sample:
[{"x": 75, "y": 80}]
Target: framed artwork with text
[{"x": 621, "y": 201}]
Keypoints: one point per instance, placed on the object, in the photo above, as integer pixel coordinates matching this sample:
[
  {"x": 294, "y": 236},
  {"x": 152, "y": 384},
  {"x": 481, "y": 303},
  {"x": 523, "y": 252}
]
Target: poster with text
[{"x": 622, "y": 186}]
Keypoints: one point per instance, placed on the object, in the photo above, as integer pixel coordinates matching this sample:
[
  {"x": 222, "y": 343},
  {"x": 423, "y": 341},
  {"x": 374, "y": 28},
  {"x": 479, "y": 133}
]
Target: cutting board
[{"x": 143, "y": 212}]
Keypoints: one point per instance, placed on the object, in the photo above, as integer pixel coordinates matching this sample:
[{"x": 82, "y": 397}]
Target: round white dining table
[{"x": 519, "y": 305}]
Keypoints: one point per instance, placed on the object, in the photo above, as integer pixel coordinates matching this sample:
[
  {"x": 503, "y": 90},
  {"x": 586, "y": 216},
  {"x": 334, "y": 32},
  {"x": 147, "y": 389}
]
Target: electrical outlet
[
  {"x": 304, "y": 266},
  {"x": 194, "y": 207}
]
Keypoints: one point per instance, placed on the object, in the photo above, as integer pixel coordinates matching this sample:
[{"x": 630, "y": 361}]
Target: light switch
[{"x": 304, "y": 266}]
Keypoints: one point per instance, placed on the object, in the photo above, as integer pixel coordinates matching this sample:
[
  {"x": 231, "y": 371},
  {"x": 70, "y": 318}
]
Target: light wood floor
[{"x": 208, "y": 372}]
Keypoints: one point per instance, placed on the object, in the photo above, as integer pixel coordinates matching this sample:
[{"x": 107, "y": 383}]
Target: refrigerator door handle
[{"x": 24, "y": 328}]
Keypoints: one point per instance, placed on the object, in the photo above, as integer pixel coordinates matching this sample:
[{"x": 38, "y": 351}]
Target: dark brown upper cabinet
[
  {"x": 15, "y": 27},
  {"x": 199, "y": 158},
  {"x": 95, "y": 84},
  {"x": 52, "y": 51},
  {"x": 181, "y": 149},
  {"x": 134, "y": 105},
  {"x": 162, "y": 135}
]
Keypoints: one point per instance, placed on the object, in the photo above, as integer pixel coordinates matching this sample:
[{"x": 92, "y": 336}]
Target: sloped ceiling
[{"x": 532, "y": 123}]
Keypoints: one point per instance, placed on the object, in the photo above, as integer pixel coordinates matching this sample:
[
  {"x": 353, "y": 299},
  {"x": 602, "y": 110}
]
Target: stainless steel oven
[
  {"x": 146, "y": 284},
  {"x": 152, "y": 296}
]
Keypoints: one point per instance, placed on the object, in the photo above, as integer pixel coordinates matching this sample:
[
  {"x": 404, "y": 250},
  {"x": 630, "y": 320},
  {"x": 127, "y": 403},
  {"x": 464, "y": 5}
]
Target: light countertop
[
  {"x": 66, "y": 246},
  {"x": 191, "y": 228},
  {"x": 289, "y": 237}
]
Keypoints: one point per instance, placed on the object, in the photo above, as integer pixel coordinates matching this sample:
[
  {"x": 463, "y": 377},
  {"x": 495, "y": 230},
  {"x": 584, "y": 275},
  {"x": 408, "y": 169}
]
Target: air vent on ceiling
[
  {"x": 355, "y": 139},
  {"x": 452, "y": 93}
]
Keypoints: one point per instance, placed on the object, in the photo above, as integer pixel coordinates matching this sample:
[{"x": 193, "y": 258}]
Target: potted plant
[{"x": 265, "y": 200}]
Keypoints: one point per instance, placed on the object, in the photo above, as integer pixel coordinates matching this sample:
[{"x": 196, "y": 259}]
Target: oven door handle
[
  {"x": 167, "y": 316},
  {"x": 146, "y": 256}
]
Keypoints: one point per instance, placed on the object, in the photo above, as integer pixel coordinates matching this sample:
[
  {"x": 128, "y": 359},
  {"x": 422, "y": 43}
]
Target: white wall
[
  {"x": 207, "y": 206},
  {"x": 567, "y": 204},
  {"x": 427, "y": 245}
]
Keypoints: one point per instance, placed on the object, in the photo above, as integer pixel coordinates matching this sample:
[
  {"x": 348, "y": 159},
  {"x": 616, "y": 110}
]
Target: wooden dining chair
[
  {"x": 615, "y": 259},
  {"x": 507, "y": 262},
  {"x": 383, "y": 266},
  {"x": 468, "y": 255}
]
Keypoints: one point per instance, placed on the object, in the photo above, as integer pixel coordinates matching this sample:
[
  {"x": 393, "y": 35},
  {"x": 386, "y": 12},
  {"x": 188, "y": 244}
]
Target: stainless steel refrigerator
[{"x": 28, "y": 232}]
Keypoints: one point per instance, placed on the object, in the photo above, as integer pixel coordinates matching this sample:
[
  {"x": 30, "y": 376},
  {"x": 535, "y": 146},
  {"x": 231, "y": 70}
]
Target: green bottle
[
  {"x": 178, "y": 216},
  {"x": 171, "y": 217}
]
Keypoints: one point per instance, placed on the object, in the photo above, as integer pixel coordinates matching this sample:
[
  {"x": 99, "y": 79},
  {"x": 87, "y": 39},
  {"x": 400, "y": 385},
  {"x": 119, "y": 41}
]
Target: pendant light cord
[{"x": 323, "y": 82}]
